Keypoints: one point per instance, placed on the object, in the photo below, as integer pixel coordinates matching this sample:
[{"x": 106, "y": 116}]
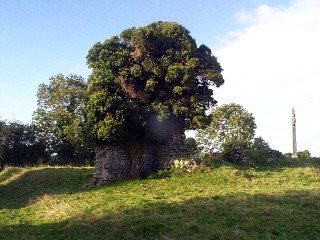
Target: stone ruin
[{"x": 115, "y": 161}]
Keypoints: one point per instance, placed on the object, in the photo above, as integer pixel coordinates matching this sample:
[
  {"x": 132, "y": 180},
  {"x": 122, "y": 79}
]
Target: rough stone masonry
[{"x": 114, "y": 162}]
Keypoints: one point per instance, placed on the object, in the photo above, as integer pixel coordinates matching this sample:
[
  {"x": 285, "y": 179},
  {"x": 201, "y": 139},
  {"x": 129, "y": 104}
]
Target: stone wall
[
  {"x": 111, "y": 163},
  {"x": 172, "y": 149},
  {"x": 114, "y": 162}
]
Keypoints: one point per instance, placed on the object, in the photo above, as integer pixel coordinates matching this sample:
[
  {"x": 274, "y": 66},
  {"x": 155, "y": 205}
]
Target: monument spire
[{"x": 294, "y": 135}]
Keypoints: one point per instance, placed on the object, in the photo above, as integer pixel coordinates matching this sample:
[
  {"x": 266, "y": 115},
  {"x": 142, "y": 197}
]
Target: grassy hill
[{"x": 225, "y": 202}]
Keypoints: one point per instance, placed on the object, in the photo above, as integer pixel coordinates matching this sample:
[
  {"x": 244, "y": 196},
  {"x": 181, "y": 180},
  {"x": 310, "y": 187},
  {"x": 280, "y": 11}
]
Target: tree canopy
[
  {"x": 59, "y": 118},
  {"x": 148, "y": 78},
  {"x": 231, "y": 127},
  {"x": 19, "y": 145}
]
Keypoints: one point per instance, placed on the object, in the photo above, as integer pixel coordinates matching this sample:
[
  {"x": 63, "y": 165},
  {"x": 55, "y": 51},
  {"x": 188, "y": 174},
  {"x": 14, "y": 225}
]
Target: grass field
[{"x": 225, "y": 202}]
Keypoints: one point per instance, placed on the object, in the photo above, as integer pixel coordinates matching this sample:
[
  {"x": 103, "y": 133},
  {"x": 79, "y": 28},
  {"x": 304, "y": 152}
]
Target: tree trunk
[{"x": 1, "y": 165}]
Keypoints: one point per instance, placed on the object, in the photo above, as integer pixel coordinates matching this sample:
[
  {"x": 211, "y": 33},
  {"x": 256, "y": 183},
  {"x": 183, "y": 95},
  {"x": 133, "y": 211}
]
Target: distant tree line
[{"x": 19, "y": 145}]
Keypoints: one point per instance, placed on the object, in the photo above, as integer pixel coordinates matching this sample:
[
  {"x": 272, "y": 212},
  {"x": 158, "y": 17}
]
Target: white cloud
[
  {"x": 272, "y": 66},
  {"x": 244, "y": 17}
]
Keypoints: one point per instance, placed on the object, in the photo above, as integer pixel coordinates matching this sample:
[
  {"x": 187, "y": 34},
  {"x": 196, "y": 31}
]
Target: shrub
[
  {"x": 257, "y": 156},
  {"x": 192, "y": 148},
  {"x": 275, "y": 155},
  {"x": 261, "y": 153},
  {"x": 304, "y": 154},
  {"x": 288, "y": 155},
  {"x": 236, "y": 155}
]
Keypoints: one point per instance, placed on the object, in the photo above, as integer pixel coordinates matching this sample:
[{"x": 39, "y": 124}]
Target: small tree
[{"x": 231, "y": 127}]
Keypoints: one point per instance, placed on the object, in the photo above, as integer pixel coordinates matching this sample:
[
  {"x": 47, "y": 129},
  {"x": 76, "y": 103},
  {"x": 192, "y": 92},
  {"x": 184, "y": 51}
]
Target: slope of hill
[{"x": 224, "y": 202}]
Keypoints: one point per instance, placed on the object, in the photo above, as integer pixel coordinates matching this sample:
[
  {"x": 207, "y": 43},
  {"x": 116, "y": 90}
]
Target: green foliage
[
  {"x": 288, "y": 155},
  {"x": 2, "y": 146},
  {"x": 59, "y": 118},
  {"x": 19, "y": 145},
  {"x": 235, "y": 155},
  {"x": 231, "y": 127},
  {"x": 228, "y": 202},
  {"x": 145, "y": 76},
  {"x": 192, "y": 147},
  {"x": 259, "y": 151},
  {"x": 304, "y": 154}
]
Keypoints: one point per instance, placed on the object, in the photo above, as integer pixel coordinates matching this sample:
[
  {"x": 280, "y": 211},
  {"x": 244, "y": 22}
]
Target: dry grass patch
[
  {"x": 53, "y": 208},
  {"x": 10, "y": 174}
]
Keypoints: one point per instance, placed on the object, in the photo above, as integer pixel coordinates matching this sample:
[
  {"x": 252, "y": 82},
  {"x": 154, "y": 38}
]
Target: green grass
[{"x": 227, "y": 202}]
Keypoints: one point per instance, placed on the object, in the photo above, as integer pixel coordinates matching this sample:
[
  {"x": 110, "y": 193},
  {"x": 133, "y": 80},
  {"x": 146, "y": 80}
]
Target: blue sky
[{"x": 39, "y": 39}]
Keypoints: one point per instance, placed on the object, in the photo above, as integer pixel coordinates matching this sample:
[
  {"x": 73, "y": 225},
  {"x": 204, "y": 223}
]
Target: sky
[{"x": 269, "y": 50}]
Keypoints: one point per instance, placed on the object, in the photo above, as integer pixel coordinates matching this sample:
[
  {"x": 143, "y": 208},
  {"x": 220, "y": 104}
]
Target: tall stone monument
[{"x": 294, "y": 135}]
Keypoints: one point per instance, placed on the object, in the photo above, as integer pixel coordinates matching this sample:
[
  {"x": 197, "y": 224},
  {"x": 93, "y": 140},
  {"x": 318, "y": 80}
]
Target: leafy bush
[
  {"x": 261, "y": 153},
  {"x": 288, "y": 155},
  {"x": 275, "y": 155},
  {"x": 257, "y": 156},
  {"x": 304, "y": 154},
  {"x": 209, "y": 159},
  {"x": 192, "y": 147},
  {"x": 180, "y": 166},
  {"x": 235, "y": 155},
  {"x": 258, "y": 153}
]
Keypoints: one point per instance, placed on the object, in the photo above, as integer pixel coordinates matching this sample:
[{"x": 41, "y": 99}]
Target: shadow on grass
[
  {"x": 35, "y": 183},
  {"x": 293, "y": 215},
  {"x": 8, "y": 173}
]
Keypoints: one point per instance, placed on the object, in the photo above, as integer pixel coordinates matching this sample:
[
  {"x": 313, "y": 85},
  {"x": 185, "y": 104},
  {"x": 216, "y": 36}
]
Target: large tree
[
  {"x": 147, "y": 81},
  {"x": 60, "y": 115}
]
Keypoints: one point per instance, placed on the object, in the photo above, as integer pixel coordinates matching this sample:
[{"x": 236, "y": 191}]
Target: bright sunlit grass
[{"x": 225, "y": 202}]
